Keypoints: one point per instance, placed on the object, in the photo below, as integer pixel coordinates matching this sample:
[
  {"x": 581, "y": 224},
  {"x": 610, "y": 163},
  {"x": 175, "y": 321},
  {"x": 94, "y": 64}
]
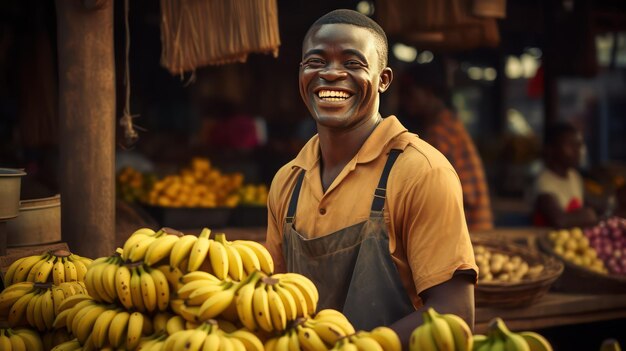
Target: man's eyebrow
[
  {"x": 355, "y": 53},
  {"x": 313, "y": 52}
]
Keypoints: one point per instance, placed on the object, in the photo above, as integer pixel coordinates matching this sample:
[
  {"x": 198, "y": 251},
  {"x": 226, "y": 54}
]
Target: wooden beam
[{"x": 87, "y": 125}]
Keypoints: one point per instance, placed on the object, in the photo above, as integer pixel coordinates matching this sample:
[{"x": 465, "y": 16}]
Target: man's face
[
  {"x": 340, "y": 75},
  {"x": 570, "y": 149}
]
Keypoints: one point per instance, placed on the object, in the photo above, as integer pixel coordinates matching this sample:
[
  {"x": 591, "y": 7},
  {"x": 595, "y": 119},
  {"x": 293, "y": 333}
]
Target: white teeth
[{"x": 336, "y": 94}]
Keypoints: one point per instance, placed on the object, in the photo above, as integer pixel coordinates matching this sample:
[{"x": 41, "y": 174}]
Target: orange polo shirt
[{"x": 428, "y": 236}]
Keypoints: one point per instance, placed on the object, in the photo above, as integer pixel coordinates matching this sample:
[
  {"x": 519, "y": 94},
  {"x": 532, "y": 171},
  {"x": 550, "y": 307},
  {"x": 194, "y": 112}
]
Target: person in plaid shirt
[{"x": 424, "y": 99}]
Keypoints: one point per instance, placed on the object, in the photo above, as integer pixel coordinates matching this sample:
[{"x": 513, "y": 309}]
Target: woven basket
[
  {"x": 578, "y": 279},
  {"x": 524, "y": 292}
]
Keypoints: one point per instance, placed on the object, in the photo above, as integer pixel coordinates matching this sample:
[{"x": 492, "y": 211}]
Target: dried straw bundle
[{"x": 196, "y": 33}]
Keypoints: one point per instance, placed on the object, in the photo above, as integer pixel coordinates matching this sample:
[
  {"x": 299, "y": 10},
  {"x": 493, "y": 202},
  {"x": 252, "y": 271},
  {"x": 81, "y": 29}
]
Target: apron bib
[{"x": 352, "y": 267}]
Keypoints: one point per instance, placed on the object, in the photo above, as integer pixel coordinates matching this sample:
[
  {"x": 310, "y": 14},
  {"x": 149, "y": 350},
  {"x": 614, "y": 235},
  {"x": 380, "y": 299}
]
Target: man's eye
[
  {"x": 353, "y": 64},
  {"x": 314, "y": 62}
]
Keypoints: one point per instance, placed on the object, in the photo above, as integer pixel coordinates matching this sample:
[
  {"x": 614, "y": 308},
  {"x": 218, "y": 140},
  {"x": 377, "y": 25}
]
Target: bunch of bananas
[
  {"x": 57, "y": 266},
  {"x": 36, "y": 304},
  {"x": 441, "y": 332},
  {"x": 499, "y": 337},
  {"x": 20, "y": 339},
  {"x": 55, "y": 337},
  {"x": 206, "y": 336},
  {"x": 379, "y": 339},
  {"x": 97, "y": 325}
]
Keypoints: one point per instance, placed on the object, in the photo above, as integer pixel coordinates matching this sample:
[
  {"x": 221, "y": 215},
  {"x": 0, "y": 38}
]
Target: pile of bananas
[
  {"x": 498, "y": 267},
  {"x": 379, "y": 339},
  {"x": 500, "y": 338},
  {"x": 57, "y": 266},
  {"x": 19, "y": 339},
  {"x": 199, "y": 185},
  {"x": 253, "y": 195},
  {"x": 441, "y": 332},
  {"x": 132, "y": 185}
]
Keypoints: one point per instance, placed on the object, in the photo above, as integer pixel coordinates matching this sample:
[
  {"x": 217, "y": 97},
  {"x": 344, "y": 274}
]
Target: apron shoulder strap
[
  {"x": 381, "y": 191},
  {"x": 293, "y": 203}
]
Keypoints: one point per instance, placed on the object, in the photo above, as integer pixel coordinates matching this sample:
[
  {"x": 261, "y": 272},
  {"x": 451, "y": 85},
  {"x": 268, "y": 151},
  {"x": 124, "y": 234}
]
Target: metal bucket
[
  {"x": 39, "y": 222},
  {"x": 10, "y": 185}
]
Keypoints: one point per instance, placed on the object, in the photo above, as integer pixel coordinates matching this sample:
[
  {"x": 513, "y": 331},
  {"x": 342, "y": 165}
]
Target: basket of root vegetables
[{"x": 510, "y": 274}]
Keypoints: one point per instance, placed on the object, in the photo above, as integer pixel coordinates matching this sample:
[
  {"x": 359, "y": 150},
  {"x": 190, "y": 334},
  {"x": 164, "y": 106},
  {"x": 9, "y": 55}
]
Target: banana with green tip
[
  {"x": 160, "y": 248},
  {"x": 536, "y": 341},
  {"x": 199, "y": 251},
  {"x": 265, "y": 258},
  {"x": 182, "y": 249}
]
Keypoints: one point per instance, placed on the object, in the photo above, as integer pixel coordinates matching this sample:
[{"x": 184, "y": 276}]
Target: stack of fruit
[
  {"x": 573, "y": 246},
  {"x": 132, "y": 185},
  {"x": 36, "y": 288},
  {"x": 499, "y": 337},
  {"x": 608, "y": 238},
  {"x": 253, "y": 195},
  {"x": 199, "y": 185},
  {"x": 500, "y": 267}
]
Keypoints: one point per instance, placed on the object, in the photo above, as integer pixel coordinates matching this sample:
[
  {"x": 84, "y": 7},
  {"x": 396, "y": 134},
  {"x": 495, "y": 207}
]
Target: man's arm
[
  {"x": 454, "y": 296},
  {"x": 548, "y": 206}
]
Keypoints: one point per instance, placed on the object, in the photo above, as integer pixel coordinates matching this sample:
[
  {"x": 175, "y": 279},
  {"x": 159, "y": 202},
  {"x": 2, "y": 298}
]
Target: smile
[{"x": 333, "y": 95}]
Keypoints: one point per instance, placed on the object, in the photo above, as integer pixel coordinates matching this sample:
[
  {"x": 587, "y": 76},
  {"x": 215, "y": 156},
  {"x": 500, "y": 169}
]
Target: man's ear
[{"x": 386, "y": 76}]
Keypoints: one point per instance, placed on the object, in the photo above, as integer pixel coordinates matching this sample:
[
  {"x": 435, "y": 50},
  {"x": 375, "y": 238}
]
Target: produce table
[{"x": 553, "y": 309}]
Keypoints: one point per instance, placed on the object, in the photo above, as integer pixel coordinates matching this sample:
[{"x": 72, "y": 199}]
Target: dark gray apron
[{"x": 352, "y": 267}]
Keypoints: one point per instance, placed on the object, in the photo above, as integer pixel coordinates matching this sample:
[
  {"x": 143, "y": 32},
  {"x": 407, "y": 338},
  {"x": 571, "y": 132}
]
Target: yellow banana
[
  {"x": 35, "y": 268},
  {"x": 337, "y": 318},
  {"x": 282, "y": 344},
  {"x": 199, "y": 251},
  {"x": 327, "y": 331},
  {"x": 135, "y": 290},
  {"x": 219, "y": 259},
  {"x": 117, "y": 329},
  {"x": 302, "y": 307},
  {"x": 201, "y": 294},
  {"x": 249, "y": 259},
  {"x": 58, "y": 272},
  {"x": 148, "y": 289},
  {"x": 387, "y": 338},
  {"x": 24, "y": 267},
  {"x": 122, "y": 286},
  {"x": 243, "y": 304},
  {"x": 189, "y": 313},
  {"x": 270, "y": 344},
  {"x": 81, "y": 267},
  {"x": 261, "y": 308},
  {"x": 461, "y": 333},
  {"x": 440, "y": 330},
  {"x": 366, "y": 343},
  {"x": 83, "y": 321},
  {"x": 10, "y": 273},
  {"x": 308, "y": 293},
  {"x": 173, "y": 275},
  {"x": 70, "y": 345},
  {"x": 133, "y": 333},
  {"x": 181, "y": 249},
  {"x": 5, "y": 342},
  {"x": 17, "y": 344},
  {"x": 235, "y": 262},
  {"x": 277, "y": 309},
  {"x": 196, "y": 340},
  {"x": 71, "y": 275},
  {"x": 81, "y": 306},
  {"x": 211, "y": 342},
  {"x": 95, "y": 282},
  {"x": 422, "y": 339},
  {"x": 108, "y": 277},
  {"x": 162, "y": 288},
  {"x": 30, "y": 310},
  {"x": 100, "y": 330},
  {"x": 188, "y": 288},
  {"x": 139, "y": 249},
  {"x": 71, "y": 301},
  {"x": 536, "y": 341},
  {"x": 11, "y": 294},
  {"x": 217, "y": 303},
  {"x": 309, "y": 340},
  {"x": 44, "y": 269},
  {"x": 261, "y": 252},
  {"x": 130, "y": 243},
  {"x": 47, "y": 309},
  {"x": 516, "y": 342},
  {"x": 174, "y": 324},
  {"x": 160, "y": 249},
  {"x": 238, "y": 345},
  {"x": 199, "y": 275},
  {"x": 17, "y": 312},
  {"x": 32, "y": 340},
  {"x": 250, "y": 341}
]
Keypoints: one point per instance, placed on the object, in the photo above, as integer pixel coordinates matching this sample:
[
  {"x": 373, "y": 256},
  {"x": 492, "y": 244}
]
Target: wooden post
[{"x": 87, "y": 125}]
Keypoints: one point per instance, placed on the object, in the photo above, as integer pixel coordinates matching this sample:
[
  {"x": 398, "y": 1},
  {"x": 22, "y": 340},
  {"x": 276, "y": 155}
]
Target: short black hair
[
  {"x": 345, "y": 16},
  {"x": 555, "y": 132}
]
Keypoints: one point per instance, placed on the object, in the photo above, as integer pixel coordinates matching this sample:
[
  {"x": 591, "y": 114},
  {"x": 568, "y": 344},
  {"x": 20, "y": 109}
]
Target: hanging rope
[{"x": 130, "y": 129}]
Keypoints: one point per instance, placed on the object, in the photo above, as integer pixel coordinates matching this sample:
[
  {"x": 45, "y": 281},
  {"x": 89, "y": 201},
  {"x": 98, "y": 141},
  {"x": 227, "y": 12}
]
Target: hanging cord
[{"x": 130, "y": 129}]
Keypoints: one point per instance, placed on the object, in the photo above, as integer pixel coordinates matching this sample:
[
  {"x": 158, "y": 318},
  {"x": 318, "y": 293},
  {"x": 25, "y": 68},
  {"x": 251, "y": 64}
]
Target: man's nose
[{"x": 333, "y": 72}]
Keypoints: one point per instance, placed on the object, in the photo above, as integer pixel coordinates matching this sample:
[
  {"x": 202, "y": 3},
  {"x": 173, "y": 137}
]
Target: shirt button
[{"x": 322, "y": 211}]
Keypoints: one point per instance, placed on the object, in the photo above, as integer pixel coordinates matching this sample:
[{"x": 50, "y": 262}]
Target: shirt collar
[{"x": 375, "y": 144}]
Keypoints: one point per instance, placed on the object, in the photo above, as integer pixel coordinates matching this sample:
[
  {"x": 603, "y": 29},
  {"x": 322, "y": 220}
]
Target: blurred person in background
[
  {"x": 424, "y": 101},
  {"x": 558, "y": 192}
]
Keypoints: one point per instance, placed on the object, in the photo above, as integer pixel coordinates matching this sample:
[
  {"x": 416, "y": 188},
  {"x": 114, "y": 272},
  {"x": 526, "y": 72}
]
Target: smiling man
[{"x": 368, "y": 211}]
